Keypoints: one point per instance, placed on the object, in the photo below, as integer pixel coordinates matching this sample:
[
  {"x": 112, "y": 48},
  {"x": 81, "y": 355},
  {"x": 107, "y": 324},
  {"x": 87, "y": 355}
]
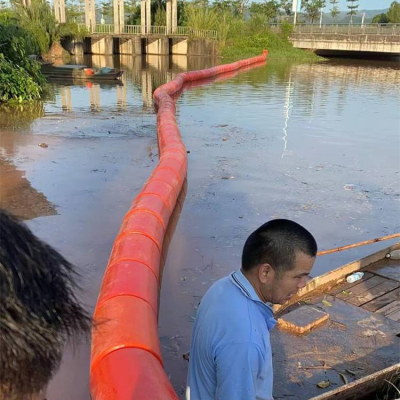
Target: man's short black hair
[
  {"x": 39, "y": 311},
  {"x": 276, "y": 243}
]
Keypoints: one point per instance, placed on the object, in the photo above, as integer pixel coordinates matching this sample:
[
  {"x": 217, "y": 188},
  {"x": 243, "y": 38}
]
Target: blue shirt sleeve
[{"x": 238, "y": 367}]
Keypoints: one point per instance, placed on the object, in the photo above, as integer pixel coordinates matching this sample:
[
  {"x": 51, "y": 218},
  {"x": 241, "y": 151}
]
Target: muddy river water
[{"x": 317, "y": 143}]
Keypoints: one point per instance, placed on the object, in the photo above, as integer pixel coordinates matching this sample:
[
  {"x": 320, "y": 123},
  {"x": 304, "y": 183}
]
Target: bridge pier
[
  {"x": 179, "y": 46},
  {"x": 102, "y": 45},
  {"x": 132, "y": 46},
  {"x": 157, "y": 45}
]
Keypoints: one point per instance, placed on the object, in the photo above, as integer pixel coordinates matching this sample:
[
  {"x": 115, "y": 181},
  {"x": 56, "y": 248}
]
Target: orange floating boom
[{"x": 126, "y": 362}]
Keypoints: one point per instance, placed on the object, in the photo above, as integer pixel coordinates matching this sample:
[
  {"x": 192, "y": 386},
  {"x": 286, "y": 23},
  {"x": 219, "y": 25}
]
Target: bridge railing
[
  {"x": 132, "y": 29},
  {"x": 110, "y": 29},
  {"x": 104, "y": 28},
  {"x": 346, "y": 29}
]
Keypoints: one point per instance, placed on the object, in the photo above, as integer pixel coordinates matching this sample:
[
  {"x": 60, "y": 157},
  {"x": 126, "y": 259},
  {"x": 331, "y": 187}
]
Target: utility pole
[
  {"x": 320, "y": 18},
  {"x": 294, "y": 9}
]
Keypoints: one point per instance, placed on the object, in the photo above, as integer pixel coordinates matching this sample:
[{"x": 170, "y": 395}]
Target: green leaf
[
  {"x": 324, "y": 384},
  {"x": 326, "y": 303}
]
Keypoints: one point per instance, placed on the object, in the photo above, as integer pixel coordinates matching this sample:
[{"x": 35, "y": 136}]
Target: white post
[
  {"x": 174, "y": 15},
  {"x": 121, "y": 16},
  {"x": 87, "y": 14},
  {"x": 362, "y": 20},
  {"x": 90, "y": 15},
  {"x": 320, "y": 19},
  {"x": 93, "y": 14},
  {"x": 294, "y": 9},
  {"x": 168, "y": 13},
  {"x": 116, "y": 16},
  {"x": 143, "y": 16},
  {"x": 56, "y": 10},
  {"x": 148, "y": 16},
  {"x": 62, "y": 7}
]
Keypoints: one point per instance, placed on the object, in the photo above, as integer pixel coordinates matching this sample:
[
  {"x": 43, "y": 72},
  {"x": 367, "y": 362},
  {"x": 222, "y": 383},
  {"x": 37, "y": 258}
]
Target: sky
[{"x": 366, "y": 4}]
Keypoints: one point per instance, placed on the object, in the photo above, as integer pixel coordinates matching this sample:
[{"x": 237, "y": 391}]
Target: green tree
[
  {"x": 312, "y": 8},
  {"x": 160, "y": 17},
  {"x": 393, "y": 14},
  {"x": 20, "y": 77},
  {"x": 380, "y": 19},
  {"x": 267, "y": 9},
  {"x": 131, "y": 7},
  {"x": 223, "y": 5},
  {"x": 8, "y": 16},
  {"x": 74, "y": 12},
  {"x": 353, "y": 8},
  {"x": 335, "y": 9},
  {"x": 286, "y": 6},
  {"x": 199, "y": 17},
  {"x": 39, "y": 21},
  {"x": 107, "y": 9}
]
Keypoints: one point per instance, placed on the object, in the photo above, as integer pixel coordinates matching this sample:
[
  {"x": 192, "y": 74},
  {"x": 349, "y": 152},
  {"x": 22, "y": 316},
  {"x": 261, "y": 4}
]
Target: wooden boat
[
  {"x": 355, "y": 352},
  {"x": 81, "y": 72}
]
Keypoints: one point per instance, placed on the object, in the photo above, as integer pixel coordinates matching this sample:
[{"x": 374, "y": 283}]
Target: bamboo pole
[{"x": 350, "y": 246}]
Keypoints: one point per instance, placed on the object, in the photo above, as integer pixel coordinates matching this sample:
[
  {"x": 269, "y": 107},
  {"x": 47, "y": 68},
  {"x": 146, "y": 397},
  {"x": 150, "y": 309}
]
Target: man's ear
[{"x": 264, "y": 272}]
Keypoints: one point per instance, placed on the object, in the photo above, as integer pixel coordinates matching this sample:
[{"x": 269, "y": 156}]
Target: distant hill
[{"x": 343, "y": 18}]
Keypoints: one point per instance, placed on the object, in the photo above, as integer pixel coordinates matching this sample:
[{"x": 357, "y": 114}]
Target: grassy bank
[
  {"x": 253, "y": 44},
  {"x": 241, "y": 37}
]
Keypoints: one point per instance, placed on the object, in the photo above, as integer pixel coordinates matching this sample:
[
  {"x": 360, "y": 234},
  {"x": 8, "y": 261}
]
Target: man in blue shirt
[{"x": 230, "y": 354}]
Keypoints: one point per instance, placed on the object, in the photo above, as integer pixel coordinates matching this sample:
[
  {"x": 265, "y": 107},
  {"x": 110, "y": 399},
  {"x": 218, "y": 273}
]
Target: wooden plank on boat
[
  {"x": 352, "y": 339},
  {"x": 368, "y": 385},
  {"x": 302, "y": 320},
  {"x": 373, "y": 293},
  {"x": 394, "y": 316},
  {"x": 387, "y": 268},
  {"x": 360, "y": 287},
  {"x": 334, "y": 276},
  {"x": 382, "y": 301},
  {"x": 346, "y": 286},
  {"x": 389, "y": 308}
]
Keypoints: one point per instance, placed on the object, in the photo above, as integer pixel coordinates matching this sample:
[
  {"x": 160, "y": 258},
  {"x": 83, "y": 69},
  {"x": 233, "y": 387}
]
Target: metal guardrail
[
  {"x": 343, "y": 29},
  {"x": 110, "y": 29},
  {"x": 353, "y": 29}
]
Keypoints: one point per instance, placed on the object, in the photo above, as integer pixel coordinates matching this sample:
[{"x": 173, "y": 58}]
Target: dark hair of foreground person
[{"x": 39, "y": 311}]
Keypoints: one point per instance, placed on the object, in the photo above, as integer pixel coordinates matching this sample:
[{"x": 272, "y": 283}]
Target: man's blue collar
[{"x": 248, "y": 290}]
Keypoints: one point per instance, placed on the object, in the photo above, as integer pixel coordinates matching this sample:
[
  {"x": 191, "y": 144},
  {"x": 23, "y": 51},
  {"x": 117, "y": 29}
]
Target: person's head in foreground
[
  {"x": 39, "y": 312},
  {"x": 277, "y": 259}
]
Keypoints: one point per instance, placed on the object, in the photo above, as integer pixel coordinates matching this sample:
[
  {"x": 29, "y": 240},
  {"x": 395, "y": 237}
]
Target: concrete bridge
[
  {"x": 108, "y": 39},
  {"x": 118, "y": 38},
  {"x": 377, "y": 38}
]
